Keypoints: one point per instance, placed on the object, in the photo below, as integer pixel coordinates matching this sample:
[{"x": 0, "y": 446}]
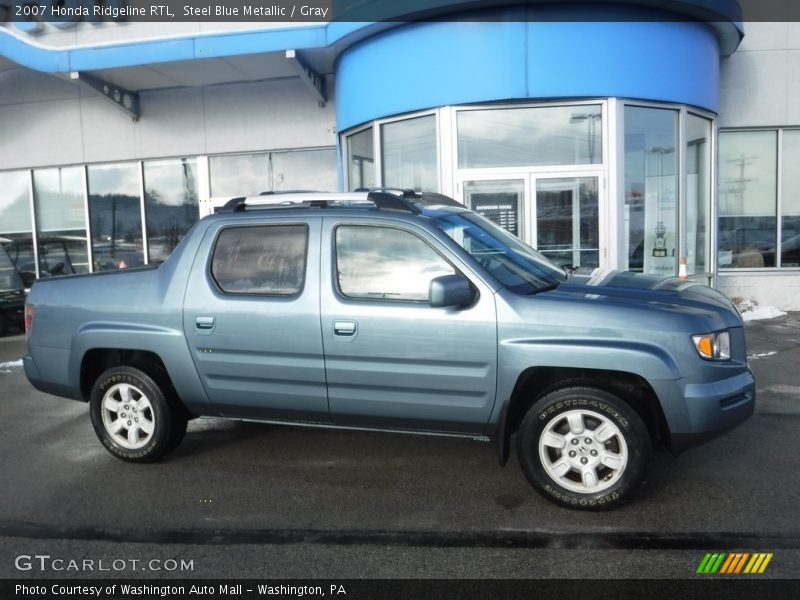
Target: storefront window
[
  {"x": 698, "y": 193},
  {"x": 513, "y": 137},
  {"x": 304, "y": 170},
  {"x": 747, "y": 199},
  {"x": 361, "y": 159},
  {"x": 171, "y": 204},
  {"x": 60, "y": 221},
  {"x": 651, "y": 183},
  {"x": 409, "y": 154},
  {"x": 790, "y": 213},
  {"x": 115, "y": 216},
  {"x": 239, "y": 175},
  {"x": 15, "y": 224}
]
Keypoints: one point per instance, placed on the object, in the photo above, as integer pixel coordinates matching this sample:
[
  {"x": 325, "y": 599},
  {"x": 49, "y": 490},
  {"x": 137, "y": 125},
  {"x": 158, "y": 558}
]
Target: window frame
[
  {"x": 335, "y": 263},
  {"x": 215, "y": 242}
]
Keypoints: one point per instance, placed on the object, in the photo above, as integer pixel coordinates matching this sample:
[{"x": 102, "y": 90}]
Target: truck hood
[{"x": 658, "y": 292}]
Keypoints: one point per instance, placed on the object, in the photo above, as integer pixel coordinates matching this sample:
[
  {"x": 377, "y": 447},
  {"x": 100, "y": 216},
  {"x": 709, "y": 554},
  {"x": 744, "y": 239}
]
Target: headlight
[{"x": 713, "y": 346}]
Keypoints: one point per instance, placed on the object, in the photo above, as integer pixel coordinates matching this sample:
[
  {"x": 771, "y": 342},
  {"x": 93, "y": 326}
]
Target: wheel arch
[
  {"x": 535, "y": 382},
  {"x": 96, "y": 361}
]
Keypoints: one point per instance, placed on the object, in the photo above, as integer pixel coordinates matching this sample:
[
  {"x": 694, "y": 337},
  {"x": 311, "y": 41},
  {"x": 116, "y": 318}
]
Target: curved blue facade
[{"x": 431, "y": 64}]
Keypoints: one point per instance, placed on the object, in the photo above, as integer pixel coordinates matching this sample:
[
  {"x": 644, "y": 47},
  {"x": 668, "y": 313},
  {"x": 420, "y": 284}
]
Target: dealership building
[{"x": 617, "y": 136}]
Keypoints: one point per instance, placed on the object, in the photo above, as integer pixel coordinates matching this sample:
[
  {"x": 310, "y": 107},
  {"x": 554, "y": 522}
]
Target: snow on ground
[
  {"x": 762, "y": 355},
  {"x": 758, "y": 313},
  {"x": 10, "y": 367}
]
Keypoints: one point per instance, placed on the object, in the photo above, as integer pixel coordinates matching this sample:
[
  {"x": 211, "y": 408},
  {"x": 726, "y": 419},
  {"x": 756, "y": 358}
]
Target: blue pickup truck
[{"x": 397, "y": 311}]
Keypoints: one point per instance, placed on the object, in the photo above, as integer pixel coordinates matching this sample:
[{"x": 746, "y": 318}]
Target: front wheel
[
  {"x": 583, "y": 448},
  {"x": 131, "y": 415}
]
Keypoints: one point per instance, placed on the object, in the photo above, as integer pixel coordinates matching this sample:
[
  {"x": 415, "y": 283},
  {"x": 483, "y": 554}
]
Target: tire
[
  {"x": 180, "y": 416},
  {"x": 119, "y": 397},
  {"x": 583, "y": 448}
]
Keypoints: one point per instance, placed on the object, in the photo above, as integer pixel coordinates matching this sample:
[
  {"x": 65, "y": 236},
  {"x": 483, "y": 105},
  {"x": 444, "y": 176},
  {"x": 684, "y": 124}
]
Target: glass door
[
  {"x": 566, "y": 220},
  {"x": 499, "y": 200},
  {"x": 556, "y": 213}
]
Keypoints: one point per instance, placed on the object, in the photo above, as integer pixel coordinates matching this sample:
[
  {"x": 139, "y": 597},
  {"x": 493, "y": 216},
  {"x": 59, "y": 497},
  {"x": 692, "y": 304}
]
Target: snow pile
[
  {"x": 10, "y": 367},
  {"x": 754, "y": 312}
]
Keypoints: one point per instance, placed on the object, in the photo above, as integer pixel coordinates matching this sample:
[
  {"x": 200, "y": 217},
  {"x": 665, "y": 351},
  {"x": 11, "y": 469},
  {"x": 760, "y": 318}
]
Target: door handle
[
  {"x": 344, "y": 328},
  {"x": 204, "y": 322}
]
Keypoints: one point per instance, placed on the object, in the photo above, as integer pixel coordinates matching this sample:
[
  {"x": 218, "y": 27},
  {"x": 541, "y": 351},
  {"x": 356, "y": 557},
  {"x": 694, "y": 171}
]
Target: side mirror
[{"x": 450, "y": 290}]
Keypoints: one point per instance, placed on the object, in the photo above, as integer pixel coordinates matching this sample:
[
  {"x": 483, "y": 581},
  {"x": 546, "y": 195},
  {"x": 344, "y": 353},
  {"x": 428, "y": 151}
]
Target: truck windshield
[
  {"x": 9, "y": 276},
  {"x": 514, "y": 264}
]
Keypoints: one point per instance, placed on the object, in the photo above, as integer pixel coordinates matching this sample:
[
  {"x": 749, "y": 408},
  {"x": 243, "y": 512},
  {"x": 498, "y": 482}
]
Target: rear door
[
  {"x": 391, "y": 359},
  {"x": 251, "y": 317}
]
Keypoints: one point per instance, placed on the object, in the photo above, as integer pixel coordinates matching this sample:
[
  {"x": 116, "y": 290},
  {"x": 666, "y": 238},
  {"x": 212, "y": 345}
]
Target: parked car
[
  {"x": 394, "y": 310},
  {"x": 12, "y": 293}
]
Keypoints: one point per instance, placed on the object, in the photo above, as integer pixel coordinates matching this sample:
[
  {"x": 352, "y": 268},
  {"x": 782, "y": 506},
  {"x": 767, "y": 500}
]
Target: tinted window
[
  {"x": 391, "y": 264},
  {"x": 261, "y": 260}
]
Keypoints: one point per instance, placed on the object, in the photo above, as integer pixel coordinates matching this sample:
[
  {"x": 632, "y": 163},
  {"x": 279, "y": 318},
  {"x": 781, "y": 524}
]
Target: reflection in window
[
  {"x": 60, "y": 221},
  {"x": 304, "y": 170},
  {"x": 361, "y": 160},
  {"x": 239, "y": 175},
  {"x": 115, "y": 216},
  {"x": 651, "y": 183},
  {"x": 171, "y": 204},
  {"x": 252, "y": 174},
  {"x": 790, "y": 217},
  {"x": 384, "y": 263},
  {"x": 408, "y": 156},
  {"x": 747, "y": 199},
  {"x": 512, "y": 137},
  {"x": 698, "y": 193},
  {"x": 567, "y": 222},
  {"x": 15, "y": 223},
  {"x": 266, "y": 260}
]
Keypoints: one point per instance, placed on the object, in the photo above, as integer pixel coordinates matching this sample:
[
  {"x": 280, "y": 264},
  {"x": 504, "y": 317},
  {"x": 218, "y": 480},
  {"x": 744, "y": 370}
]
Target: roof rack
[{"x": 381, "y": 198}]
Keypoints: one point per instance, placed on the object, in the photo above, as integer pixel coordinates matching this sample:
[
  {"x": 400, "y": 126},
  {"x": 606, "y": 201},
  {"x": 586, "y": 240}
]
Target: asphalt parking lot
[{"x": 249, "y": 500}]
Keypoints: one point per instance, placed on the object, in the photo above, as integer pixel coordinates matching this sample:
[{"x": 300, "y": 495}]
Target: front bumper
[{"x": 710, "y": 409}]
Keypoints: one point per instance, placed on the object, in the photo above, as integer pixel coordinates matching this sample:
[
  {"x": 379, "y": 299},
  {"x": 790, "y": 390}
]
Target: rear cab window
[{"x": 267, "y": 260}]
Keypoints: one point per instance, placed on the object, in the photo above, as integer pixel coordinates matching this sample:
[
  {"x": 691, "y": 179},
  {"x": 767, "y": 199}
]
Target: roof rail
[
  {"x": 380, "y": 198},
  {"x": 405, "y": 193}
]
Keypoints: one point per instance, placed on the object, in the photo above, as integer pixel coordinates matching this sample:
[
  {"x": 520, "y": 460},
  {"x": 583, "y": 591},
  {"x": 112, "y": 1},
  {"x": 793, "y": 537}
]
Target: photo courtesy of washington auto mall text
[{"x": 168, "y": 590}]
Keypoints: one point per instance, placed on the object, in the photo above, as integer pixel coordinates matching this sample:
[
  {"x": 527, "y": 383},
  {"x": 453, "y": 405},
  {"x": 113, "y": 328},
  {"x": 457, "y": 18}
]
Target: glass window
[
  {"x": 790, "y": 200},
  {"x": 747, "y": 198},
  {"x": 266, "y": 260},
  {"x": 512, "y": 137},
  {"x": 361, "y": 159},
  {"x": 61, "y": 221},
  {"x": 15, "y": 223},
  {"x": 498, "y": 200},
  {"x": 305, "y": 170},
  {"x": 651, "y": 183},
  {"x": 171, "y": 204},
  {"x": 698, "y": 193},
  {"x": 408, "y": 154},
  {"x": 385, "y": 263},
  {"x": 239, "y": 175},
  {"x": 115, "y": 216}
]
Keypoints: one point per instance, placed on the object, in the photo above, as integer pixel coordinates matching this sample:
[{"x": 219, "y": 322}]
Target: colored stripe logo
[{"x": 734, "y": 563}]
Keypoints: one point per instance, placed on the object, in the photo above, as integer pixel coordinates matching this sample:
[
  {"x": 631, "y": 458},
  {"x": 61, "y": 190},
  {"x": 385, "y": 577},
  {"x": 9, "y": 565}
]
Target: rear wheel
[
  {"x": 583, "y": 448},
  {"x": 132, "y": 416}
]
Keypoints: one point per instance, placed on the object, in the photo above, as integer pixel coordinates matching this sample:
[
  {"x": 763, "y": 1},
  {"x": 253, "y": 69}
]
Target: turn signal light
[{"x": 713, "y": 346}]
